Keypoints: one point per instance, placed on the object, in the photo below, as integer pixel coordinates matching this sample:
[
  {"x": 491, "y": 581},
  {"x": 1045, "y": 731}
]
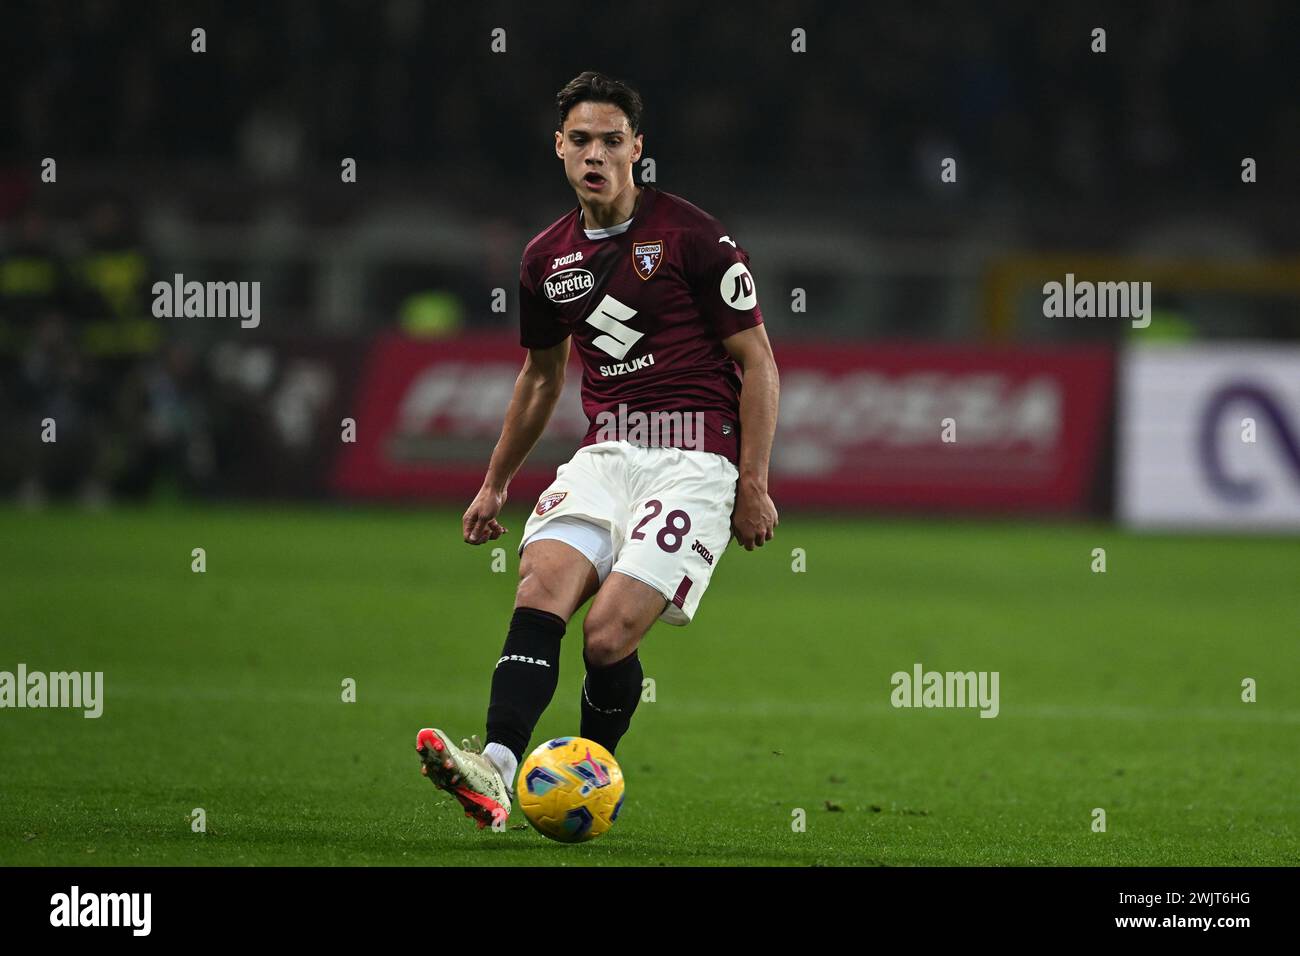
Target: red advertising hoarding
[{"x": 951, "y": 428}]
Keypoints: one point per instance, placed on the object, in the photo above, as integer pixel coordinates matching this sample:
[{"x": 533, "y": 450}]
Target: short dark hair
[{"x": 593, "y": 87}]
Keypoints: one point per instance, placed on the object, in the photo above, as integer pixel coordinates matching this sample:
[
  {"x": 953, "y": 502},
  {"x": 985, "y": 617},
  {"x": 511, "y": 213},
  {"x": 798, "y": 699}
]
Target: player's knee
[
  {"x": 536, "y": 591},
  {"x": 607, "y": 635}
]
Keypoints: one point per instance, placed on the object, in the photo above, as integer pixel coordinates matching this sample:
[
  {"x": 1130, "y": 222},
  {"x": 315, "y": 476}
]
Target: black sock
[
  {"x": 609, "y": 696},
  {"x": 525, "y": 678}
]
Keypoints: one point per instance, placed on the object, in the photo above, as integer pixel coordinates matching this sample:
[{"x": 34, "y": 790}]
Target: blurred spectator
[{"x": 283, "y": 84}]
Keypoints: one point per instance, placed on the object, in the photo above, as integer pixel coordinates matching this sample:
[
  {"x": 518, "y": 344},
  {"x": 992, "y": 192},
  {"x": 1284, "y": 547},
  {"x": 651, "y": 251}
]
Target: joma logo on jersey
[
  {"x": 568, "y": 285},
  {"x": 646, "y": 257},
  {"x": 703, "y": 552},
  {"x": 565, "y": 260}
]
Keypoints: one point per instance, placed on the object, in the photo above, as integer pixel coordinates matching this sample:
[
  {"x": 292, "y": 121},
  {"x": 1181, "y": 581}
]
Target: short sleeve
[
  {"x": 724, "y": 286},
  {"x": 538, "y": 326}
]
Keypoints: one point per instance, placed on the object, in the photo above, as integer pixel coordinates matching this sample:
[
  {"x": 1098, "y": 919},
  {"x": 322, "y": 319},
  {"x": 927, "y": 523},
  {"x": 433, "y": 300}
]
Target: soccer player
[{"x": 658, "y": 300}]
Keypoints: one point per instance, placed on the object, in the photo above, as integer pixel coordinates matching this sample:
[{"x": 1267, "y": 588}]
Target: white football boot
[{"x": 466, "y": 774}]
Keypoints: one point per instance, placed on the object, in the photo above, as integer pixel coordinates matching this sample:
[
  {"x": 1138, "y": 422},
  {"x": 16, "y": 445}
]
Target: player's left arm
[{"x": 754, "y": 516}]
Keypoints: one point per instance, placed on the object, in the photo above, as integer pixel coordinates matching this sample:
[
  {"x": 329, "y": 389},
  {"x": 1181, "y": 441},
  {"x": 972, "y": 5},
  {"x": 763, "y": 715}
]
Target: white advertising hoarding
[{"x": 1209, "y": 437}]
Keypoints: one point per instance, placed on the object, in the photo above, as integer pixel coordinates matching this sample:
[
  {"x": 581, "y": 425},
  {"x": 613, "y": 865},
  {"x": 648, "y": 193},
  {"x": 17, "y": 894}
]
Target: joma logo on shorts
[
  {"x": 522, "y": 659},
  {"x": 704, "y": 552}
]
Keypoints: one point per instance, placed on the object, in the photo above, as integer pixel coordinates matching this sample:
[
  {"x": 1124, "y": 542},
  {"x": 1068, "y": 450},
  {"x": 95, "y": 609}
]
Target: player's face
[{"x": 598, "y": 150}]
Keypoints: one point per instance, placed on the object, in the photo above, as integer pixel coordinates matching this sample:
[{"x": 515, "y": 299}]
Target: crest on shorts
[
  {"x": 646, "y": 257},
  {"x": 548, "y": 502}
]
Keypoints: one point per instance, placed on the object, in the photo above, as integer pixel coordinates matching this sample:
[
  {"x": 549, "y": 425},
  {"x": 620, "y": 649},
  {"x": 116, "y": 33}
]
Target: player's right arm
[{"x": 537, "y": 390}]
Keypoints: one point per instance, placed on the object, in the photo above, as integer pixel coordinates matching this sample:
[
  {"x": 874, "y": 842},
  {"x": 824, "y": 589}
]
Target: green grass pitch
[{"x": 1119, "y": 690}]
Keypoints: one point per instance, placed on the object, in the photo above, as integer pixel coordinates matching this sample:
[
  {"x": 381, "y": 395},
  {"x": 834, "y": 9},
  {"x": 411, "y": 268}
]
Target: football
[{"x": 571, "y": 789}]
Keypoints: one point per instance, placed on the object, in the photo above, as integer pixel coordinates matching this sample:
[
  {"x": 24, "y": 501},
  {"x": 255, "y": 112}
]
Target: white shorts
[{"x": 660, "y": 515}]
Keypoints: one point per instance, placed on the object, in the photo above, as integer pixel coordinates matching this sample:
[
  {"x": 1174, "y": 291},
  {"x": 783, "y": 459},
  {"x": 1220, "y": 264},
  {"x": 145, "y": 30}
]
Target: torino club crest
[
  {"x": 548, "y": 502},
  {"x": 646, "y": 257}
]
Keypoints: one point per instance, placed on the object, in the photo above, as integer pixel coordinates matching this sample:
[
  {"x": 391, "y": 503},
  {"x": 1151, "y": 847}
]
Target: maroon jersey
[{"x": 648, "y": 304}]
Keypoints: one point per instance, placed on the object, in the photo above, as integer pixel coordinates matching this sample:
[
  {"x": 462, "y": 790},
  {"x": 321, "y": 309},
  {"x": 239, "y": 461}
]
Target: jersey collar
[{"x": 647, "y": 200}]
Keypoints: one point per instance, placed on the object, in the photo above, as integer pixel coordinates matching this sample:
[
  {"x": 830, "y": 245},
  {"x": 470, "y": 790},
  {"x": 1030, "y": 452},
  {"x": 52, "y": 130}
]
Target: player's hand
[
  {"x": 754, "y": 517},
  {"x": 480, "y": 521}
]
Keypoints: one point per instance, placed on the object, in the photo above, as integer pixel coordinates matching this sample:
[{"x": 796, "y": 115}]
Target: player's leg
[
  {"x": 554, "y": 576},
  {"x": 676, "y": 532},
  {"x": 555, "y": 579},
  {"x": 566, "y": 549},
  {"x": 620, "y": 616}
]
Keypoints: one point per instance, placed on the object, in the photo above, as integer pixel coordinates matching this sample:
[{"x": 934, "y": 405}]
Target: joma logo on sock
[
  {"x": 102, "y": 909},
  {"x": 523, "y": 659},
  {"x": 946, "y": 689}
]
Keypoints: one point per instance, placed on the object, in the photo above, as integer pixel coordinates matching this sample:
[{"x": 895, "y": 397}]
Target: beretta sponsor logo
[{"x": 568, "y": 285}]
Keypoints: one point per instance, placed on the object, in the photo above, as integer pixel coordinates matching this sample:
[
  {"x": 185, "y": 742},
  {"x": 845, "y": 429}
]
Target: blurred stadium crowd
[
  {"x": 226, "y": 163},
  {"x": 78, "y": 348},
  {"x": 1011, "y": 87}
]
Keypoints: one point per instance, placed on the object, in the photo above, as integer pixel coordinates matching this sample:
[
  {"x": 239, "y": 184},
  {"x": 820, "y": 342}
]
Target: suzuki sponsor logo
[
  {"x": 622, "y": 368},
  {"x": 568, "y": 285},
  {"x": 611, "y": 317}
]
